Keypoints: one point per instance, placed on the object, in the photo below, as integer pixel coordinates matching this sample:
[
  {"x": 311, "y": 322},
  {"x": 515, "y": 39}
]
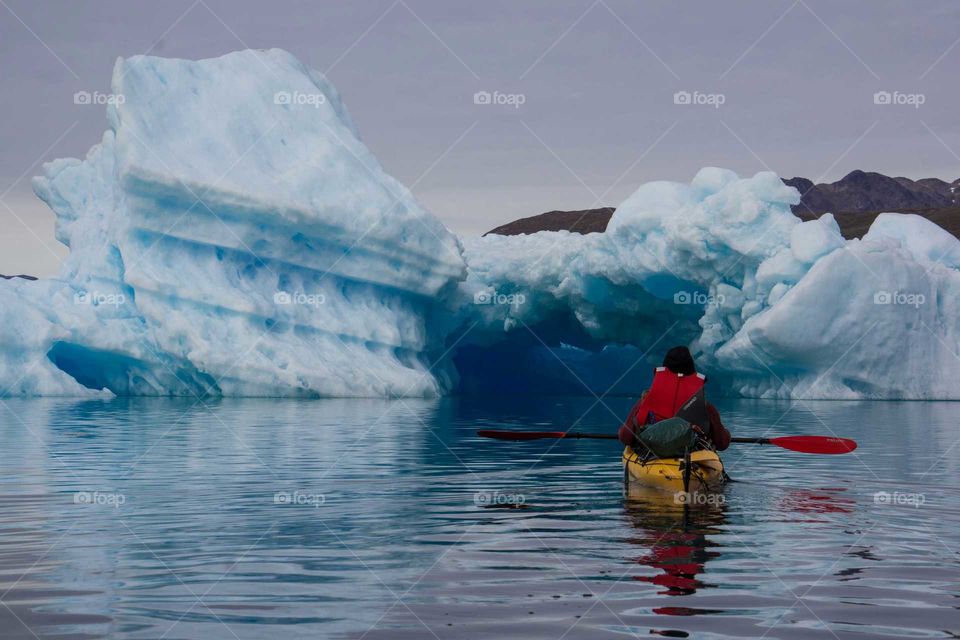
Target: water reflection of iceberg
[{"x": 199, "y": 515}]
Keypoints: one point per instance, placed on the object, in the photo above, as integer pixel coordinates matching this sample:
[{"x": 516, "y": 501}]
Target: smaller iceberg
[{"x": 775, "y": 307}]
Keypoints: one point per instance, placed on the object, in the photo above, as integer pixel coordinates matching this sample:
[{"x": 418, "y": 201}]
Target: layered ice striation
[{"x": 232, "y": 235}]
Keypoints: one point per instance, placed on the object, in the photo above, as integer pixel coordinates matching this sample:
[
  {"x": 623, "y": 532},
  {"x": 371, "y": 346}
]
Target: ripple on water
[{"x": 391, "y": 519}]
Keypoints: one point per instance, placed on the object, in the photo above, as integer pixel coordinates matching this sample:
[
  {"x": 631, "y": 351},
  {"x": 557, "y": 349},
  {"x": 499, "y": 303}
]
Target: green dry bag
[{"x": 668, "y": 438}]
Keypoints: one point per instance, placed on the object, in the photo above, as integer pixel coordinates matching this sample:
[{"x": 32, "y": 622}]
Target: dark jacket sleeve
[
  {"x": 718, "y": 433},
  {"x": 626, "y": 433},
  {"x": 628, "y": 430}
]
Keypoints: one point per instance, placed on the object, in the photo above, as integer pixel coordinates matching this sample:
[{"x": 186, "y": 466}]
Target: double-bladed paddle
[{"x": 801, "y": 444}]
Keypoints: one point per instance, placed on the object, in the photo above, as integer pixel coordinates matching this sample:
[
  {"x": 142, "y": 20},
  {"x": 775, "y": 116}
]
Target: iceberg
[
  {"x": 774, "y": 307},
  {"x": 231, "y": 235}
]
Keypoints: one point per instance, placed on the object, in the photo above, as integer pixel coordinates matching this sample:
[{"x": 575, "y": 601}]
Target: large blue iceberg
[{"x": 231, "y": 235}]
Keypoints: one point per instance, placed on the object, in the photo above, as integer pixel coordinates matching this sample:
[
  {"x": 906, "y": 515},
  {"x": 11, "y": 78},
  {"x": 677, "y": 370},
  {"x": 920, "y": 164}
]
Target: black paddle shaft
[
  {"x": 593, "y": 436},
  {"x": 800, "y": 444},
  {"x": 612, "y": 436}
]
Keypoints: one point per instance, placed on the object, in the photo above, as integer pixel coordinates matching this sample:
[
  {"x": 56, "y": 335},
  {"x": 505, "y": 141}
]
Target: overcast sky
[{"x": 596, "y": 80}]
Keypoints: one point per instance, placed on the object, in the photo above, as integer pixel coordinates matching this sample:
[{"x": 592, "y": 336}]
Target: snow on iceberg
[
  {"x": 232, "y": 235},
  {"x": 877, "y": 319},
  {"x": 775, "y": 306},
  {"x": 669, "y": 252}
]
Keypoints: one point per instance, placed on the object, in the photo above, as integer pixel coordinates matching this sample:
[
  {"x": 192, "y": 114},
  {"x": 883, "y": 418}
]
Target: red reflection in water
[
  {"x": 675, "y": 540},
  {"x": 681, "y": 557},
  {"x": 811, "y": 502}
]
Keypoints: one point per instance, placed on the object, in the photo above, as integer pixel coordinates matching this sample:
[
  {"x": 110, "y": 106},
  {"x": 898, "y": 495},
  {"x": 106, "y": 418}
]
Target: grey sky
[{"x": 598, "y": 78}]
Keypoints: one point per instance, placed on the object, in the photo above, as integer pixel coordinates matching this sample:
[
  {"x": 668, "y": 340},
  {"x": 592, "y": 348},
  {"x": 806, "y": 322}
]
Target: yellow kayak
[{"x": 706, "y": 471}]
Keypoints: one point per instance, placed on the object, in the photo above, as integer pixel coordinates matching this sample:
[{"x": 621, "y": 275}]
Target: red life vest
[{"x": 668, "y": 393}]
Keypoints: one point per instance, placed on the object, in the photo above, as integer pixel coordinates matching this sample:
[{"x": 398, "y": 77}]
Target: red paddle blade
[
  {"x": 520, "y": 435},
  {"x": 815, "y": 444}
]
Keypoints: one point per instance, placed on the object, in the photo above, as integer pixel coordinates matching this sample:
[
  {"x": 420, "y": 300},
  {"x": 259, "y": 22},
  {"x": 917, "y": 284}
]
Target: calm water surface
[{"x": 391, "y": 519}]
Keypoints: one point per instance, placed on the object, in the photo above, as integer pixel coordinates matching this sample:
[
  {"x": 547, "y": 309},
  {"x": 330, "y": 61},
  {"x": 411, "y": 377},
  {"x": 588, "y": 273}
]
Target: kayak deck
[{"x": 706, "y": 471}]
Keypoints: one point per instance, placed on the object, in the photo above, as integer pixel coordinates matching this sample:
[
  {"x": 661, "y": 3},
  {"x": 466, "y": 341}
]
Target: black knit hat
[{"x": 680, "y": 361}]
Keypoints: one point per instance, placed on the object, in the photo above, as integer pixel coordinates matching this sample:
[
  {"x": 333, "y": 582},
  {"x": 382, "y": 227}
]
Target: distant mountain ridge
[
  {"x": 856, "y": 199},
  {"x": 585, "y": 221},
  {"x": 863, "y": 191}
]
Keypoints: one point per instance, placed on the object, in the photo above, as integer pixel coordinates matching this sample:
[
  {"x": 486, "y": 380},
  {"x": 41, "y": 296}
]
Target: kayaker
[{"x": 677, "y": 389}]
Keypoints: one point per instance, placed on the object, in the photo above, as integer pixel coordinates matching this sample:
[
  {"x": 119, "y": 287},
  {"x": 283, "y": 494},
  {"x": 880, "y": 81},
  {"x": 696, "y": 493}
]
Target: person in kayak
[{"x": 677, "y": 391}]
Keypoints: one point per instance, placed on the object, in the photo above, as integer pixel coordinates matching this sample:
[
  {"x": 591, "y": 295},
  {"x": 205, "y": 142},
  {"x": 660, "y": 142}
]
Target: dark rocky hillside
[
  {"x": 585, "y": 221},
  {"x": 862, "y": 191}
]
